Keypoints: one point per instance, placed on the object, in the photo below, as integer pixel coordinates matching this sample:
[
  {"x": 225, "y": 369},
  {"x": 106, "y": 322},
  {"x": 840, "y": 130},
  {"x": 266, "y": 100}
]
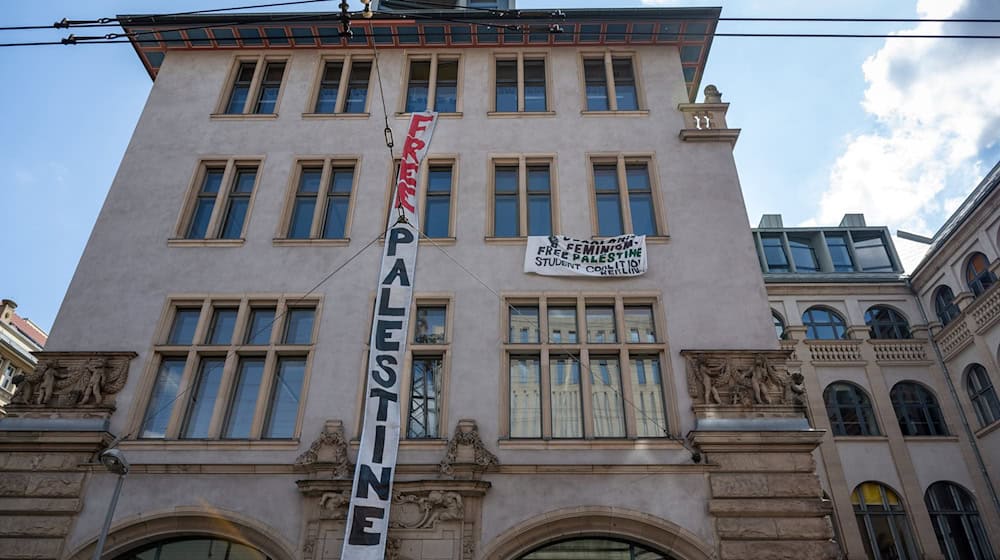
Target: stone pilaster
[
  {"x": 42, "y": 475},
  {"x": 751, "y": 423}
]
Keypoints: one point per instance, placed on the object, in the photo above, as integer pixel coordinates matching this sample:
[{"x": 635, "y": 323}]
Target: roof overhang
[{"x": 690, "y": 30}]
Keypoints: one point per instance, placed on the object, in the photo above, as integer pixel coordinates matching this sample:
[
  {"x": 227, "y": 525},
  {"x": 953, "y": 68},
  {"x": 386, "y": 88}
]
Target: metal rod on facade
[{"x": 111, "y": 513}]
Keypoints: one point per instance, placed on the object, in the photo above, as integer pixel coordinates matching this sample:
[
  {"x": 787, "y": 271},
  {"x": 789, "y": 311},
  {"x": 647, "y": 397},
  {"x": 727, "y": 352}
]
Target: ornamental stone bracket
[
  {"x": 327, "y": 456},
  {"x": 71, "y": 385},
  {"x": 733, "y": 384},
  {"x": 706, "y": 122},
  {"x": 427, "y": 519},
  {"x": 466, "y": 455}
]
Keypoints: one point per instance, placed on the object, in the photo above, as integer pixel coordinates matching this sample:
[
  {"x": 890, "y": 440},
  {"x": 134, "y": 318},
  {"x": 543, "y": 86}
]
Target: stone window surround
[
  {"x": 348, "y": 61},
  {"x": 261, "y": 62},
  {"x": 522, "y": 161},
  {"x": 434, "y": 57},
  {"x": 607, "y": 55},
  {"x": 327, "y": 162},
  {"x": 660, "y": 348},
  {"x": 521, "y": 55},
  {"x": 231, "y": 165},
  {"x": 422, "y": 178},
  {"x": 621, "y": 159},
  {"x": 207, "y": 304}
]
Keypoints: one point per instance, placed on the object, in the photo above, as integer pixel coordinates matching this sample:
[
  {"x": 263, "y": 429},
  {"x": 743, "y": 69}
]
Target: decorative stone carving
[
  {"x": 415, "y": 511},
  {"x": 466, "y": 447},
  {"x": 333, "y": 505},
  {"x": 328, "y": 452},
  {"x": 743, "y": 378},
  {"x": 392, "y": 546},
  {"x": 73, "y": 380},
  {"x": 712, "y": 94}
]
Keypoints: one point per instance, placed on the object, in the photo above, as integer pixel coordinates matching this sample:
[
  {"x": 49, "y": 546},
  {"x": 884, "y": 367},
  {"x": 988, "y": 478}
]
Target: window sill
[
  {"x": 589, "y": 444},
  {"x": 322, "y": 116},
  {"x": 219, "y": 444},
  {"x": 935, "y": 439},
  {"x": 860, "y": 438},
  {"x": 457, "y": 115},
  {"x": 205, "y": 242},
  {"x": 506, "y": 240},
  {"x": 651, "y": 239},
  {"x": 637, "y": 113},
  {"x": 981, "y": 432},
  {"x": 430, "y": 241},
  {"x": 243, "y": 116},
  {"x": 287, "y": 242},
  {"x": 416, "y": 444},
  {"x": 518, "y": 114}
]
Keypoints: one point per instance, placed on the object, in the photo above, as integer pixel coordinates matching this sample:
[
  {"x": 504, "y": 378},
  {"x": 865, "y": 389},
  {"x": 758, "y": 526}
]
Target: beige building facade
[
  {"x": 234, "y": 264},
  {"x": 19, "y": 340}
]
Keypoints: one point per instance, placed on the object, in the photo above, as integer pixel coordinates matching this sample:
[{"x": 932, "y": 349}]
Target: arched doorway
[
  {"x": 595, "y": 548},
  {"x": 194, "y": 548}
]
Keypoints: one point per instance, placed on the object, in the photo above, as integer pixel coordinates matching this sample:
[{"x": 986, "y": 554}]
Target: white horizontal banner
[{"x": 558, "y": 255}]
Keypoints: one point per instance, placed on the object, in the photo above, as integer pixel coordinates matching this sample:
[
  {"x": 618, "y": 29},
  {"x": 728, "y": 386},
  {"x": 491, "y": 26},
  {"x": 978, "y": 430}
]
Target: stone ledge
[
  {"x": 778, "y": 550},
  {"x": 29, "y": 547},
  {"x": 40, "y": 506},
  {"x": 42, "y": 485},
  {"x": 777, "y": 507},
  {"x": 762, "y": 485},
  {"x": 769, "y": 528},
  {"x": 35, "y": 526},
  {"x": 765, "y": 462}
]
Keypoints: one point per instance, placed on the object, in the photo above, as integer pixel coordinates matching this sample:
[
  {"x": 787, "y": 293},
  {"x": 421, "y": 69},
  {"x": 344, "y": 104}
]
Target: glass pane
[
  {"x": 596, "y": 85},
  {"x": 241, "y": 410},
  {"x": 423, "y": 417},
  {"x": 637, "y": 178},
  {"x": 534, "y": 85},
  {"x": 342, "y": 180},
  {"x": 237, "y": 99},
  {"x": 606, "y": 397},
  {"x": 506, "y": 86},
  {"x": 419, "y": 86},
  {"x": 268, "y": 99},
  {"x": 625, "y": 92},
  {"x": 839, "y": 254},
  {"x": 774, "y": 253},
  {"x": 309, "y": 180},
  {"x": 259, "y": 329},
  {"x": 803, "y": 254},
  {"x": 539, "y": 214},
  {"x": 609, "y": 215},
  {"x": 302, "y": 217},
  {"x": 525, "y": 397},
  {"x": 643, "y": 217},
  {"x": 439, "y": 179},
  {"x": 647, "y": 396},
  {"x": 326, "y": 100},
  {"x": 506, "y": 217},
  {"x": 357, "y": 88},
  {"x": 212, "y": 181},
  {"x": 203, "y": 400},
  {"x": 168, "y": 381},
  {"x": 606, "y": 178},
  {"x": 538, "y": 179},
  {"x": 185, "y": 321},
  {"x": 232, "y": 228},
  {"x": 505, "y": 179},
  {"x": 523, "y": 324},
  {"x": 871, "y": 252},
  {"x": 430, "y": 328},
  {"x": 639, "y": 324},
  {"x": 223, "y": 324},
  {"x": 601, "y": 325},
  {"x": 446, "y": 92},
  {"x": 284, "y": 407},
  {"x": 299, "y": 328},
  {"x": 244, "y": 181},
  {"x": 562, "y": 325},
  {"x": 199, "y": 221},
  {"x": 336, "y": 217},
  {"x": 567, "y": 409},
  {"x": 437, "y": 216}
]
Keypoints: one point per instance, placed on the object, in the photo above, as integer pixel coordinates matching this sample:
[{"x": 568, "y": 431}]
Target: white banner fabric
[
  {"x": 558, "y": 255},
  {"x": 368, "y": 517}
]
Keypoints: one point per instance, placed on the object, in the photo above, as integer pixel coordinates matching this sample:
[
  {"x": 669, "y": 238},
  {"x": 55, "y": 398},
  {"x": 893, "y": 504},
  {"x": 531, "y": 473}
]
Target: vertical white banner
[{"x": 368, "y": 517}]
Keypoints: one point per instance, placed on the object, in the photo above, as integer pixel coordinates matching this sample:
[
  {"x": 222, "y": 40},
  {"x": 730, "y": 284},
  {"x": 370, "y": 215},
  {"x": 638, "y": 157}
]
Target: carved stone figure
[
  {"x": 740, "y": 378},
  {"x": 795, "y": 389},
  {"x": 94, "y": 372},
  {"x": 467, "y": 435},
  {"x": 708, "y": 377},
  {"x": 329, "y": 451},
  {"x": 74, "y": 379},
  {"x": 334, "y": 504},
  {"x": 712, "y": 94}
]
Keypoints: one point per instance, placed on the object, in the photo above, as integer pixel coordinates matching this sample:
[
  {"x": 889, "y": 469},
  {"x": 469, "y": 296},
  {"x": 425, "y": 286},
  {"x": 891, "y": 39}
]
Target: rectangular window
[
  {"x": 774, "y": 252},
  {"x": 424, "y": 401},
  {"x": 839, "y": 252},
  {"x": 321, "y": 204},
  {"x": 255, "y": 88},
  {"x": 437, "y": 206},
  {"x": 430, "y": 328},
  {"x": 216, "y": 212},
  {"x": 522, "y": 198},
  {"x": 224, "y": 377},
  {"x": 803, "y": 254},
  {"x": 610, "y": 83},
  {"x": 588, "y": 394},
  {"x": 427, "y": 356},
  {"x": 432, "y": 85},
  {"x": 343, "y": 86},
  {"x": 873, "y": 256},
  {"x": 628, "y": 210},
  {"x": 520, "y": 85}
]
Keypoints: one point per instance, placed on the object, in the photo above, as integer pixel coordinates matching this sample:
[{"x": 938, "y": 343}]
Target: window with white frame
[
  {"x": 432, "y": 84},
  {"x": 583, "y": 367},
  {"x": 343, "y": 86},
  {"x": 624, "y": 196},
  {"x": 230, "y": 369},
  {"x": 520, "y": 84},
  {"x": 610, "y": 82},
  {"x": 255, "y": 87},
  {"x": 220, "y": 202},
  {"x": 522, "y": 197},
  {"x": 320, "y": 206}
]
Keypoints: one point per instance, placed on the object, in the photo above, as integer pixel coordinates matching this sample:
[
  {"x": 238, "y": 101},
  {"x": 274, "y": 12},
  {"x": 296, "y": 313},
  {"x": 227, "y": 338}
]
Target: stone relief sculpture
[
  {"x": 742, "y": 378},
  {"x": 329, "y": 452},
  {"x": 467, "y": 439},
  {"x": 73, "y": 380}
]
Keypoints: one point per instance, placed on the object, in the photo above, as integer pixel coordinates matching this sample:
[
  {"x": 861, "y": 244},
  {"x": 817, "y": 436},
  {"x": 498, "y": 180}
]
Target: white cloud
[{"x": 935, "y": 105}]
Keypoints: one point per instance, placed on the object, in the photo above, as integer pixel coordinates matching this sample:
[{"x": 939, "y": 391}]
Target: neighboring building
[
  {"x": 907, "y": 475},
  {"x": 19, "y": 338},
  {"x": 232, "y": 272}
]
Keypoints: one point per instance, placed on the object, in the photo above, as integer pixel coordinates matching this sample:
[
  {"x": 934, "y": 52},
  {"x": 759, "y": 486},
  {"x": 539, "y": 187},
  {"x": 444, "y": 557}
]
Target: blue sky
[{"x": 899, "y": 129}]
